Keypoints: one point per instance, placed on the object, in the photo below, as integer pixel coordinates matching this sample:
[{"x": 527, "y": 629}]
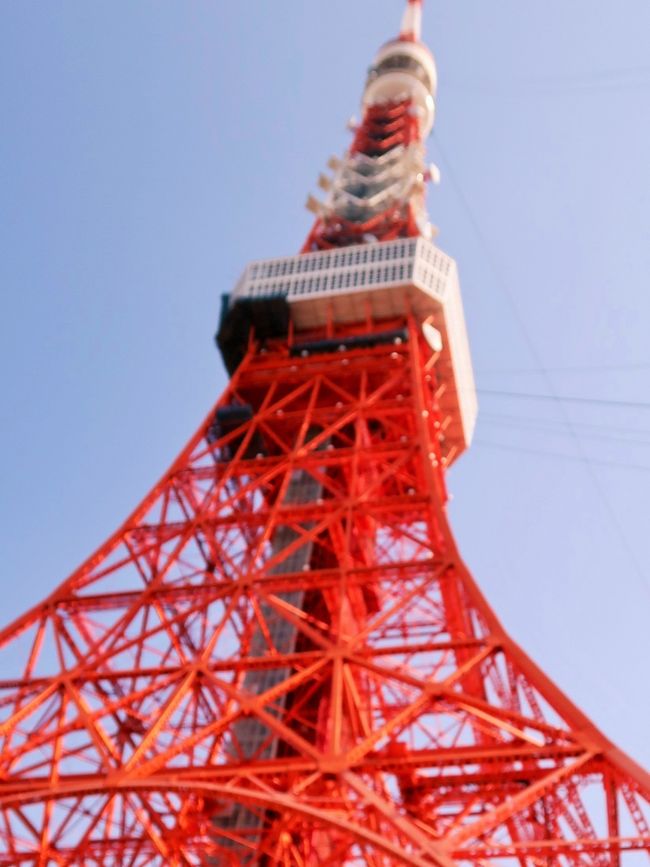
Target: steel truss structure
[
  {"x": 280, "y": 658},
  {"x": 395, "y": 720}
]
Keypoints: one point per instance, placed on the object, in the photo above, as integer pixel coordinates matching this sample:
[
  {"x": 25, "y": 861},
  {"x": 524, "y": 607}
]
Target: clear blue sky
[{"x": 150, "y": 149}]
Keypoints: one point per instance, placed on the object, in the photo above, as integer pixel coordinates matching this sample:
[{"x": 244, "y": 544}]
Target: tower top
[
  {"x": 411, "y": 30},
  {"x": 369, "y": 255},
  {"x": 404, "y": 70}
]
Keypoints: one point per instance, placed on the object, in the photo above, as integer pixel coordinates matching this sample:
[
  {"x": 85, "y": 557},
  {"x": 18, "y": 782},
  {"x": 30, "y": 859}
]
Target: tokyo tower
[{"x": 280, "y": 657}]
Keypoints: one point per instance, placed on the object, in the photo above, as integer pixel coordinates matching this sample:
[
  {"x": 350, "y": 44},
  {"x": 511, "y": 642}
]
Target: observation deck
[{"x": 345, "y": 285}]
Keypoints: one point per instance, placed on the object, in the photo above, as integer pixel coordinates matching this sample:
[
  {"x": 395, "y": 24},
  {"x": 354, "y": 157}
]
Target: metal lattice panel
[{"x": 388, "y": 279}]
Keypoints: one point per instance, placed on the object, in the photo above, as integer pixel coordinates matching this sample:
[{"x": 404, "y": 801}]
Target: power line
[
  {"x": 593, "y": 426},
  {"x": 507, "y": 447},
  {"x": 524, "y": 395},
  {"x": 537, "y": 359},
  {"x": 592, "y": 368},
  {"x": 551, "y": 427}
]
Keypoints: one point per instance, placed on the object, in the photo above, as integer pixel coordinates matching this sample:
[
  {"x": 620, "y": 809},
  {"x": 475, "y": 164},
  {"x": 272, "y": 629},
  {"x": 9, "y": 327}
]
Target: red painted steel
[
  {"x": 281, "y": 659},
  {"x": 384, "y": 129},
  {"x": 402, "y": 725}
]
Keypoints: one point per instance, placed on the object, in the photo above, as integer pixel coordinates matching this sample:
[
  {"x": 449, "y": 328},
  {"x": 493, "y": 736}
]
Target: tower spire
[
  {"x": 378, "y": 189},
  {"x": 280, "y": 657},
  {"x": 412, "y": 22}
]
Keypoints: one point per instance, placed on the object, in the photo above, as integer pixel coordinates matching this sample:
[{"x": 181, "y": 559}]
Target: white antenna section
[{"x": 412, "y": 21}]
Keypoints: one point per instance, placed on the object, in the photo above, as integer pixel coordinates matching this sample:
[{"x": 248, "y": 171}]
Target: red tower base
[{"x": 280, "y": 658}]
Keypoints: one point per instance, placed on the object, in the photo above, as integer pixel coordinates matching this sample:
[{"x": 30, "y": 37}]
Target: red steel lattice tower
[{"x": 280, "y": 657}]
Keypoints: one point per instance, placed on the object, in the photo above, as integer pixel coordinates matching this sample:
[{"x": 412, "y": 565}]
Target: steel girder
[{"x": 395, "y": 721}]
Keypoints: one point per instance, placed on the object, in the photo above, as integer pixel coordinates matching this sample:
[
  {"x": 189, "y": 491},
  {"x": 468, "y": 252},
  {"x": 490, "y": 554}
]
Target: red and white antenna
[
  {"x": 412, "y": 22},
  {"x": 378, "y": 189}
]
